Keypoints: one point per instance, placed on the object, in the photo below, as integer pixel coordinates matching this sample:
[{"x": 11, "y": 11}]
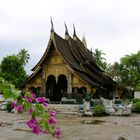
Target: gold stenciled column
[
  {"x": 43, "y": 81},
  {"x": 69, "y": 83}
]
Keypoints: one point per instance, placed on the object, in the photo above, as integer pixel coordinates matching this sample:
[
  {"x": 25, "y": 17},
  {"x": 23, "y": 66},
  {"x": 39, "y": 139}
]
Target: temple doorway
[
  {"x": 62, "y": 83},
  {"x": 55, "y": 89},
  {"x": 50, "y": 87}
]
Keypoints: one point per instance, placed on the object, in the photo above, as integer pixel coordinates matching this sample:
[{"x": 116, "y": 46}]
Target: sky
[{"x": 112, "y": 26}]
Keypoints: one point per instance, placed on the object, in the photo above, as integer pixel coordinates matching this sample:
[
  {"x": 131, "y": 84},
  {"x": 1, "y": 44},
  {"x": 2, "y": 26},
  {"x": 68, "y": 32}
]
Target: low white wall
[{"x": 137, "y": 94}]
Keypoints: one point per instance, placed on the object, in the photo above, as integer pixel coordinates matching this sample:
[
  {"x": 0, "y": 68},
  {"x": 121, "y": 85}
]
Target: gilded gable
[{"x": 53, "y": 56}]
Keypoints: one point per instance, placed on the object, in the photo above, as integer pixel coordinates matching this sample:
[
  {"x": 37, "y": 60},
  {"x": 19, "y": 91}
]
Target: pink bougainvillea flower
[
  {"x": 19, "y": 108},
  {"x": 30, "y": 111},
  {"x": 40, "y": 99},
  {"x": 33, "y": 96},
  {"x": 52, "y": 113},
  {"x": 36, "y": 129},
  {"x": 51, "y": 121},
  {"x": 32, "y": 123},
  {"x": 13, "y": 104},
  {"x": 58, "y": 132},
  {"x": 45, "y": 132},
  {"x": 28, "y": 99},
  {"x": 45, "y": 104}
]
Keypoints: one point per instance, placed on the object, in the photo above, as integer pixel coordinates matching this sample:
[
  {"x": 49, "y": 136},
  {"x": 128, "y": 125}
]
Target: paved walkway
[{"x": 13, "y": 127}]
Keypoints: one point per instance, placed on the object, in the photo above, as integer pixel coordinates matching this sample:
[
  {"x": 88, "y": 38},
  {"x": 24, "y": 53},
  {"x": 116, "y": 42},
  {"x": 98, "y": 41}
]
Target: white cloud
[{"x": 110, "y": 25}]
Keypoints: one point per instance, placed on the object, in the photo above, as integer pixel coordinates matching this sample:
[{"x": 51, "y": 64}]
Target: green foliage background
[
  {"x": 126, "y": 72},
  {"x": 12, "y": 67}
]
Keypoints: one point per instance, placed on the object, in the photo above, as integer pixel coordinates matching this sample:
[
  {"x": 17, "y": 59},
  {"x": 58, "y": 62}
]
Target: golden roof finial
[
  {"x": 74, "y": 33},
  {"x": 66, "y": 32},
  {"x": 52, "y": 29},
  {"x": 84, "y": 40}
]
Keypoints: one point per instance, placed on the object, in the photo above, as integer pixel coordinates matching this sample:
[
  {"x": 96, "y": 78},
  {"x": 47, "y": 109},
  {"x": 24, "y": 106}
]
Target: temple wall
[
  {"x": 36, "y": 82},
  {"x": 77, "y": 82}
]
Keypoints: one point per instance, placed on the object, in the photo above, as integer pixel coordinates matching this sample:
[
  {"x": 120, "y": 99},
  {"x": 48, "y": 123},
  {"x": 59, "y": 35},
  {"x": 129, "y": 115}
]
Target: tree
[
  {"x": 12, "y": 70},
  {"x": 100, "y": 60},
  {"x": 131, "y": 70},
  {"x": 12, "y": 67},
  {"x": 23, "y": 56},
  {"x": 113, "y": 71},
  {"x": 127, "y": 72},
  {"x": 0, "y": 70}
]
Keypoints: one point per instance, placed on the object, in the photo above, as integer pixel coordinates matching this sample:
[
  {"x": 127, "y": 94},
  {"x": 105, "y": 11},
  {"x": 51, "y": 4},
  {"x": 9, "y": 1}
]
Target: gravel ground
[{"x": 13, "y": 127}]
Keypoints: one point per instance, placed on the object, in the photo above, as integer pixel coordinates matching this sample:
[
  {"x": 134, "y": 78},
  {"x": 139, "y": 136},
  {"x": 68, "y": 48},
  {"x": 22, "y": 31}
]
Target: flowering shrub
[{"x": 42, "y": 120}]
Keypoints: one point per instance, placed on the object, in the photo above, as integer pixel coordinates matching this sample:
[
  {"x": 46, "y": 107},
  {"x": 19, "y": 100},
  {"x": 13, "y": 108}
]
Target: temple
[{"x": 68, "y": 69}]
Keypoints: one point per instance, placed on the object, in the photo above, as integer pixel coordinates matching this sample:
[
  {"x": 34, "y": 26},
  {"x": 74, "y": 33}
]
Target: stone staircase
[{"x": 64, "y": 109}]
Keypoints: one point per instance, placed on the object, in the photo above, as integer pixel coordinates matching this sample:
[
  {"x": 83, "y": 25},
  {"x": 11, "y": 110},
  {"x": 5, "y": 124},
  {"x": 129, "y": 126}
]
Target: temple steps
[{"x": 64, "y": 109}]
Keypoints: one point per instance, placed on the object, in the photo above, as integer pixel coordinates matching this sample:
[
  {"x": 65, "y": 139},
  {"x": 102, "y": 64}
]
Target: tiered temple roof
[{"x": 77, "y": 57}]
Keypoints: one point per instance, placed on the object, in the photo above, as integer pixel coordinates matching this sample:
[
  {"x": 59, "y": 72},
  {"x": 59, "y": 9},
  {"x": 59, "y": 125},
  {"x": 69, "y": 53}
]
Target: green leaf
[
  {"x": 40, "y": 122},
  {"x": 53, "y": 127},
  {"x": 7, "y": 93},
  {"x": 33, "y": 115},
  {"x": 46, "y": 115},
  {"x": 46, "y": 126},
  {"x": 17, "y": 93},
  {"x": 27, "y": 106},
  {"x": 37, "y": 114},
  {"x": 39, "y": 107},
  {"x": 28, "y": 94}
]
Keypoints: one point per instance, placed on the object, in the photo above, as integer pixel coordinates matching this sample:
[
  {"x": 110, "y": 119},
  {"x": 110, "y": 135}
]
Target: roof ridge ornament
[
  {"x": 91, "y": 50},
  {"x": 84, "y": 40},
  {"x": 52, "y": 29},
  {"x": 66, "y": 32},
  {"x": 74, "y": 32}
]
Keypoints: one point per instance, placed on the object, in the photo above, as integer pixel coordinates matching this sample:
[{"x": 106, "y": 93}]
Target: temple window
[
  {"x": 75, "y": 89},
  {"x": 82, "y": 90}
]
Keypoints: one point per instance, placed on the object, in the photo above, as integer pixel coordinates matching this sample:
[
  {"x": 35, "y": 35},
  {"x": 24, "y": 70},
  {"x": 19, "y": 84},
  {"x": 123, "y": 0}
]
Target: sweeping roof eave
[{"x": 31, "y": 77}]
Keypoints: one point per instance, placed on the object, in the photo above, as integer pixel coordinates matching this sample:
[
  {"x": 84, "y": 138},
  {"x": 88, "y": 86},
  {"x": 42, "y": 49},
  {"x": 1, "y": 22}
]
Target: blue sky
[{"x": 109, "y": 25}]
